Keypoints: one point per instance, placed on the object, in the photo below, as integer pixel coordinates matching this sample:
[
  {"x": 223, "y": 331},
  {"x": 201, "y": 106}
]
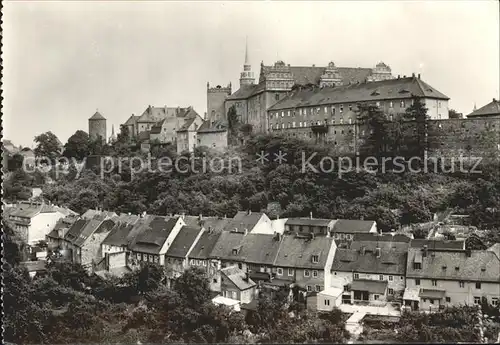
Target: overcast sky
[{"x": 63, "y": 60}]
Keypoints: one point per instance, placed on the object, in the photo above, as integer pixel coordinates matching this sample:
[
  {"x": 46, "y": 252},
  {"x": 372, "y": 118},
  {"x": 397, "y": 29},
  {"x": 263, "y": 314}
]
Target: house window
[
  {"x": 277, "y": 96},
  {"x": 391, "y": 104},
  {"x": 417, "y": 281},
  {"x": 350, "y": 107},
  {"x": 318, "y": 288},
  {"x": 346, "y": 288},
  {"x": 215, "y": 281},
  {"x": 240, "y": 266},
  {"x": 434, "y": 282},
  {"x": 315, "y": 273},
  {"x": 327, "y": 302},
  {"x": 341, "y": 121},
  {"x": 288, "y": 112},
  {"x": 402, "y": 104},
  {"x": 391, "y": 291},
  {"x": 461, "y": 284},
  {"x": 417, "y": 266},
  {"x": 494, "y": 301},
  {"x": 309, "y": 288},
  {"x": 293, "y": 124},
  {"x": 315, "y": 259},
  {"x": 307, "y": 273},
  {"x": 390, "y": 278},
  {"x": 375, "y": 297},
  {"x": 235, "y": 295},
  {"x": 282, "y": 114},
  {"x": 381, "y": 277},
  {"x": 431, "y": 301},
  {"x": 290, "y": 272},
  {"x": 333, "y": 110},
  {"x": 356, "y": 275},
  {"x": 378, "y": 104},
  {"x": 300, "y": 111},
  {"x": 477, "y": 300},
  {"x": 326, "y": 110},
  {"x": 448, "y": 299},
  {"x": 341, "y": 108},
  {"x": 478, "y": 285},
  {"x": 279, "y": 271}
]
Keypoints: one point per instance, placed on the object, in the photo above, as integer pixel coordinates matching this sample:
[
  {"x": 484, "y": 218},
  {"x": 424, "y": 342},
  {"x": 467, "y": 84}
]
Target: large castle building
[{"x": 253, "y": 99}]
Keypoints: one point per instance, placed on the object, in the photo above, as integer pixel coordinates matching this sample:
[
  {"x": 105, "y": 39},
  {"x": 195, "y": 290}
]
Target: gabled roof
[
  {"x": 216, "y": 126},
  {"x": 243, "y": 92},
  {"x": 490, "y": 109},
  {"x": 309, "y": 221},
  {"x": 238, "y": 278},
  {"x": 245, "y": 220},
  {"x": 351, "y": 260},
  {"x": 353, "y": 226},
  {"x": 297, "y": 252},
  {"x": 80, "y": 231},
  {"x": 402, "y": 88},
  {"x": 183, "y": 242},
  {"x": 97, "y": 116},
  {"x": 495, "y": 249},
  {"x": 118, "y": 235},
  {"x": 482, "y": 265},
  {"x": 156, "y": 114},
  {"x": 227, "y": 241},
  {"x": 362, "y": 237},
  {"x": 132, "y": 120},
  {"x": 384, "y": 242},
  {"x": 187, "y": 123},
  {"x": 205, "y": 245},
  {"x": 151, "y": 239},
  {"x": 259, "y": 249}
]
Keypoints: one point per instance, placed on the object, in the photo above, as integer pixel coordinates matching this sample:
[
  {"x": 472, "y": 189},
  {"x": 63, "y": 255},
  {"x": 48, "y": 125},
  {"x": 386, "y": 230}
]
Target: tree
[
  {"x": 376, "y": 121},
  {"x": 233, "y": 124},
  {"x": 15, "y": 162},
  {"x": 417, "y": 113},
  {"x": 48, "y": 145},
  {"x": 193, "y": 287},
  {"x": 453, "y": 114},
  {"x": 77, "y": 145}
]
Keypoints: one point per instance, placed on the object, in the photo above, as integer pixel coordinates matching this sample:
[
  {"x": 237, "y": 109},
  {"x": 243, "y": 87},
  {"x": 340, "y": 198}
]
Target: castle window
[
  {"x": 282, "y": 114},
  {"x": 350, "y": 107},
  {"x": 326, "y": 110},
  {"x": 318, "y": 110},
  {"x": 277, "y": 96},
  {"x": 391, "y": 104},
  {"x": 390, "y": 117},
  {"x": 341, "y": 121},
  {"x": 333, "y": 121},
  {"x": 350, "y": 120},
  {"x": 333, "y": 110},
  {"x": 341, "y": 108},
  {"x": 283, "y": 125},
  {"x": 300, "y": 111},
  {"x": 402, "y": 104},
  {"x": 378, "y": 104},
  {"x": 293, "y": 124},
  {"x": 288, "y": 112}
]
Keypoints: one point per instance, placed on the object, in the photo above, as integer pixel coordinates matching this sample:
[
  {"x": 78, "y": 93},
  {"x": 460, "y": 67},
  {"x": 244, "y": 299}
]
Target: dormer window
[
  {"x": 417, "y": 266},
  {"x": 457, "y": 268},
  {"x": 315, "y": 259}
]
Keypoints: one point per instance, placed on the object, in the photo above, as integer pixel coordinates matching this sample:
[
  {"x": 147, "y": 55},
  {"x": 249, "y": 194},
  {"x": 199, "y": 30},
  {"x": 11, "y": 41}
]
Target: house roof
[
  {"x": 353, "y": 226},
  {"x": 438, "y": 244},
  {"x": 431, "y": 293},
  {"x": 350, "y": 260},
  {"x": 183, "y": 242},
  {"x": 90, "y": 213},
  {"x": 243, "y": 92},
  {"x": 309, "y": 221},
  {"x": 492, "y": 108},
  {"x": 83, "y": 228},
  {"x": 298, "y": 252},
  {"x": 156, "y": 128},
  {"x": 372, "y": 286},
  {"x": 205, "y": 245},
  {"x": 495, "y": 249},
  {"x": 156, "y": 114},
  {"x": 187, "y": 123},
  {"x": 227, "y": 241},
  {"x": 245, "y": 220},
  {"x": 482, "y": 265},
  {"x": 372, "y": 91},
  {"x": 152, "y": 238},
  {"x": 259, "y": 249},
  {"x": 384, "y": 242},
  {"x": 375, "y": 237},
  {"x": 217, "y": 126},
  {"x": 118, "y": 235},
  {"x": 97, "y": 116},
  {"x": 132, "y": 120},
  {"x": 237, "y": 277},
  {"x": 35, "y": 266}
]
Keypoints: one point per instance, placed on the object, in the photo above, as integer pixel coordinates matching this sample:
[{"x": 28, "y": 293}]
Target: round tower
[
  {"x": 247, "y": 77},
  {"x": 97, "y": 127}
]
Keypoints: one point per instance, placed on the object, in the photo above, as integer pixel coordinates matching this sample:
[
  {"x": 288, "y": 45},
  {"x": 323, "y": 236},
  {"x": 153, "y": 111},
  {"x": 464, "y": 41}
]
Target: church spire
[{"x": 247, "y": 77}]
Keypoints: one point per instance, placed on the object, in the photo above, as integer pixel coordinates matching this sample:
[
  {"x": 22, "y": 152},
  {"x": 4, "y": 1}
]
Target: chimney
[
  {"x": 399, "y": 76},
  {"x": 424, "y": 251},
  {"x": 377, "y": 252},
  {"x": 419, "y": 76},
  {"x": 311, "y": 215},
  {"x": 246, "y": 277}
]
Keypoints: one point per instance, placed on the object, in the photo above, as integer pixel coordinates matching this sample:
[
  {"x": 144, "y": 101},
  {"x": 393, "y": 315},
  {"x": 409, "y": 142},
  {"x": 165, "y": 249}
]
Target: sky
[{"x": 64, "y": 60}]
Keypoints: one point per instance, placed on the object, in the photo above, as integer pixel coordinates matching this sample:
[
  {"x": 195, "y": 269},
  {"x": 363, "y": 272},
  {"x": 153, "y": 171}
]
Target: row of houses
[{"x": 331, "y": 262}]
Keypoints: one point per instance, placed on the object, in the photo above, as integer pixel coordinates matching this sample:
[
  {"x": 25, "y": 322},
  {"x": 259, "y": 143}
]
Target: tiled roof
[
  {"x": 243, "y": 92},
  {"x": 384, "y": 242},
  {"x": 372, "y": 286},
  {"x": 492, "y": 108},
  {"x": 480, "y": 266},
  {"x": 259, "y": 249},
  {"x": 151, "y": 240},
  {"x": 156, "y": 129},
  {"x": 156, "y": 114},
  {"x": 227, "y": 241},
  {"x": 309, "y": 221},
  {"x": 438, "y": 244},
  {"x": 244, "y": 220},
  {"x": 132, "y": 120},
  {"x": 118, "y": 235},
  {"x": 350, "y": 260},
  {"x": 298, "y": 252},
  {"x": 353, "y": 226},
  {"x": 205, "y": 245},
  {"x": 183, "y": 241},
  {"x": 217, "y": 126},
  {"x": 237, "y": 276},
  {"x": 187, "y": 123},
  {"x": 83, "y": 228},
  {"x": 372, "y": 91},
  {"x": 97, "y": 116},
  {"x": 26, "y": 211},
  {"x": 360, "y": 237},
  {"x": 495, "y": 249}
]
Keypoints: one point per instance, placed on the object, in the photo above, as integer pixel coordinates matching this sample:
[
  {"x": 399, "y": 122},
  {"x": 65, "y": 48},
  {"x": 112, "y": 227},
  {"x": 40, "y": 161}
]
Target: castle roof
[
  {"x": 371, "y": 91},
  {"x": 216, "y": 126},
  {"x": 132, "y": 120},
  {"x": 245, "y": 91},
  {"x": 490, "y": 109},
  {"x": 97, "y": 116},
  {"x": 156, "y": 114}
]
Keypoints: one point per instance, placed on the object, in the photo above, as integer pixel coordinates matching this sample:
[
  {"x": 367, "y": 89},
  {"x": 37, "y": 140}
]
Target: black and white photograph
[{"x": 250, "y": 172}]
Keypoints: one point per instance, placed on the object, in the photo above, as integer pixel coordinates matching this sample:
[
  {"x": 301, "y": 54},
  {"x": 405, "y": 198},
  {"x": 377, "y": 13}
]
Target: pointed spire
[
  {"x": 246, "y": 51},
  {"x": 474, "y": 107}
]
